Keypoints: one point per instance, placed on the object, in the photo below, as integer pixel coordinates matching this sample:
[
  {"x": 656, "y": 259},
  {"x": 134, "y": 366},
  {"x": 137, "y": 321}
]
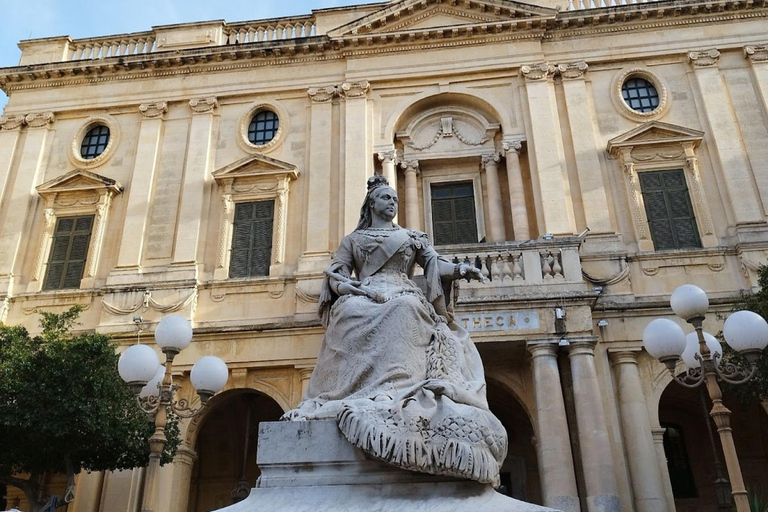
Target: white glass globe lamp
[
  {"x": 692, "y": 349},
  {"x": 137, "y": 365},
  {"x": 689, "y": 301},
  {"x": 747, "y": 333},
  {"x": 209, "y": 375},
  {"x": 173, "y": 335},
  {"x": 153, "y": 386},
  {"x": 664, "y": 340}
]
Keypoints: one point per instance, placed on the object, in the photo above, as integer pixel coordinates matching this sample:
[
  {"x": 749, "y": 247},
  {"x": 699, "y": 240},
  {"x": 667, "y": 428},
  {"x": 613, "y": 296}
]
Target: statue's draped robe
[{"x": 404, "y": 385}]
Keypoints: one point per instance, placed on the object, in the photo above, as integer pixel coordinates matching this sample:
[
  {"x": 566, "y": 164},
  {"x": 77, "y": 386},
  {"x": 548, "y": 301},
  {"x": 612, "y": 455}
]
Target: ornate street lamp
[
  {"x": 153, "y": 385},
  {"x": 746, "y": 332}
]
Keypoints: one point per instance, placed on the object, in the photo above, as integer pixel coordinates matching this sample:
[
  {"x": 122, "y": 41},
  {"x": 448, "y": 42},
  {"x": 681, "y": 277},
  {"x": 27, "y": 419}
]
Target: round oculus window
[
  {"x": 263, "y": 127},
  {"x": 640, "y": 94},
  {"x": 95, "y": 142}
]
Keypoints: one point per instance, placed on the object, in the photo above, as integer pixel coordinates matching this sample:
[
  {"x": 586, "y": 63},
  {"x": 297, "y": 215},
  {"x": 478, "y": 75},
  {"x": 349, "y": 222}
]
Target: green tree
[{"x": 64, "y": 408}]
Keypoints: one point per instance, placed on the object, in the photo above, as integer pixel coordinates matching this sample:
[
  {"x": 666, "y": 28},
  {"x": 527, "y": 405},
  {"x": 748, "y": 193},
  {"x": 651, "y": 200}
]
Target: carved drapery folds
[
  {"x": 203, "y": 105},
  {"x": 151, "y": 110},
  {"x": 254, "y": 178},
  {"x": 756, "y": 53},
  {"x": 704, "y": 58},
  {"x": 78, "y": 192},
  {"x": 538, "y": 72},
  {"x": 344, "y": 90},
  {"x": 33, "y": 120},
  {"x": 661, "y": 146}
]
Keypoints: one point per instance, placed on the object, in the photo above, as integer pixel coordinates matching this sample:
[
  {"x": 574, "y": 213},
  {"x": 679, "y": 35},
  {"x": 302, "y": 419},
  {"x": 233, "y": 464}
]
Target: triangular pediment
[
  {"x": 254, "y": 166},
  {"x": 417, "y": 15},
  {"x": 655, "y": 133},
  {"x": 79, "y": 181}
]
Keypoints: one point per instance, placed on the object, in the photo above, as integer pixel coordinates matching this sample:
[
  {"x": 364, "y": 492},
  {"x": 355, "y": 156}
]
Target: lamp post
[
  {"x": 153, "y": 385},
  {"x": 745, "y": 331}
]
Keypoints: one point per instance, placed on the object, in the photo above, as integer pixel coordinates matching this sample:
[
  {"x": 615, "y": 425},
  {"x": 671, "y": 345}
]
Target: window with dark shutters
[
  {"x": 669, "y": 210},
  {"x": 453, "y": 214},
  {"x": 252, "y": 239},
  {"x": 69, "y": 250}
]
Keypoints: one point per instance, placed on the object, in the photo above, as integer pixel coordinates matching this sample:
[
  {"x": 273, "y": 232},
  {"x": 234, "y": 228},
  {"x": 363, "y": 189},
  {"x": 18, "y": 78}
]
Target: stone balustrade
[
  {"x": 523, "y": 263},
  {"x": 580, "y": 5},
  {"x": 269, "y": 30},
  {"x": 112, "y": 46}
]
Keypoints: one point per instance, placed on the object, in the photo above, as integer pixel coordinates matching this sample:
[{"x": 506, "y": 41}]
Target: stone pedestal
[{"x": 310, "y": 466}]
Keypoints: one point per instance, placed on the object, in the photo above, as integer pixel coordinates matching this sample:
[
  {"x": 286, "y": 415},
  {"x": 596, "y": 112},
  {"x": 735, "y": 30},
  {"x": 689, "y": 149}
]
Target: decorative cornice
[
  {"x": 756, "y": 53},
  {"x": 537, "y": 72},
  {"x": 572, "y": 70},
  {"x": 202, "y": 105},
  {"x": 704, "y": 58},
  {"x": 8, "y": 123},
  {"x": 39, "y": 119},
  {"x": 152, "y": 110}
]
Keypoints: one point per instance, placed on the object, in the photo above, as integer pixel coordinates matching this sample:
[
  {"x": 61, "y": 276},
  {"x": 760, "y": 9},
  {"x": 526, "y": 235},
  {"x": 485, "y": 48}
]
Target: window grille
[
  {"x": 263, "y": 127},
  {"x": 95, "y": 142},
  {"x": 640, "y": 94}
]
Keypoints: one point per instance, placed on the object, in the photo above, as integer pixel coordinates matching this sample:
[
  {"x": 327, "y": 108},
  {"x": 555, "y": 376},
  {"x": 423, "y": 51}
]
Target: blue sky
[{"x": 26, "y": 19}]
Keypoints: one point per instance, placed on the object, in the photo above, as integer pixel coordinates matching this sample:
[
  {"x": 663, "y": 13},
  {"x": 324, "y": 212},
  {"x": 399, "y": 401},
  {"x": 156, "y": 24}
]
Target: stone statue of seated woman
[{"x": 404, "y": 382}]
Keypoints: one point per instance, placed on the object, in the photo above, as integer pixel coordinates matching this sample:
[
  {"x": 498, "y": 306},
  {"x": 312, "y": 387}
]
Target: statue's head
[{"x": 377, "y": 185}]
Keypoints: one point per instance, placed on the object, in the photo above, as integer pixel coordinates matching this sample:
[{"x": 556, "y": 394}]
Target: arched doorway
[
  {"x": 691, "y": 453},
  {"x": 226, "y": 445},
  {"x": 520, "y": 471}
]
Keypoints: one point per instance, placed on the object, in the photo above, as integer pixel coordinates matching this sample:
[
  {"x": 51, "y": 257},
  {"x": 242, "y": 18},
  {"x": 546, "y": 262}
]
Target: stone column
[
  {"x": 553, "y": 447},
  {"x": 519, "y": 209},
  {"x": 412, "y": 213},
  {"x": 596, "y": 456},
  {"x": 757, "y": 55},
  {"x": 661, "y": 458},
  {"x": 388, "y": 161},
  {"x": 197, "y": 181},
  {"x": 545, "y": 146},
  {"x": 317, "y": 242},
  {"x": 496, "y": 231},
  {"x": 305, "y": 373},
  {"x": 140, "y": 188},
  {"x": 357, "y": 154},
  {"x": 647, "y": 487},
  {"x": 183, "y": 464},
  {"x": 21, "y": 198},
  {"x": 726, "y": 136},
  {"x": 582, "y": 130},
  {"x": 10, "y": 131}
]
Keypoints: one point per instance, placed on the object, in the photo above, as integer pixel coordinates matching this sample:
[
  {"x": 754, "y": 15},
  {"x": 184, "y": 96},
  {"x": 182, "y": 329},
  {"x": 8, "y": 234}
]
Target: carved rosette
[
  {"x": 538, "y": 72},
  {"x": 39, "y": 119},
  {"x": 756, "y": 53},
  {"x": 572, "y": 70},
  {"x": 153, "y": 110},
  {"x": 203, "y": 105},
  {"x": 8, "y": 123},
  {"x": 704, "y": 58}
]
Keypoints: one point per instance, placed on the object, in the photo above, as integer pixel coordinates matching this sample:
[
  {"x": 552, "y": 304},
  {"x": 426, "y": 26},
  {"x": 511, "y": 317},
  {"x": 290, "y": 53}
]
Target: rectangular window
[
  {"x": 669, "y": 210},
  {"x": 453, "y": 214},
  {"x": 68, "y": 252},
  {"x": 252, "y": 239}
]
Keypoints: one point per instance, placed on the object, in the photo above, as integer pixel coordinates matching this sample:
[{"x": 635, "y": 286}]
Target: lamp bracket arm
[
  {"x": 690, "y": 379},
  {"x": 735, "y": 372}
]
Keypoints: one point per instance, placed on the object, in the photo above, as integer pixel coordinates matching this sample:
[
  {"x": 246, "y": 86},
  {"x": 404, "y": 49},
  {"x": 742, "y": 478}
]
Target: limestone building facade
[{"x": 210, "y": 170}]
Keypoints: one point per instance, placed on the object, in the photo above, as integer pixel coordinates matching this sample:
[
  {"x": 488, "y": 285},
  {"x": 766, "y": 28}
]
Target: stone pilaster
[
  {"x": 183, "y": 463},
  {"x": 730, "y": 159},
  {"x": 412, "y": 213},
  {"x": 545, "y": 146},
  {"x": 661, "y": 459},
  {"x": 596, "y": 456},
  {"x": 496, "y": 231},
  {"x": 140, "y": 188},
  {"x": 21, "y": 198},
  {"x": 582, "y": 130},
  {"x": 553, "y": 447},
  {"x": 757, "y": 55},
  {"x": 647, "y": 487},
  {"x": 10, "y": 132},
  {"x": 518, "y": 207},
  {"x": 388, "y": 159},
  {"x": 197, "y": 180},
  {"x": 356, "y": 155}
]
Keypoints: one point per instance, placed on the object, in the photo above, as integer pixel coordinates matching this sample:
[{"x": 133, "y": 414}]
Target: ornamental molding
[
  {"x": 76, "y": 158},
  {"x": 389, "y": 155},
  {"x": 323, "y": 94},
  {"x": 539, "y": 72},
  {"x": 358, "y": 89},
  {"x": 8, "y": 123},
  {"x": 203, "y": 105},
  {"x": 756, "y": 53},
  {"x": 153, "y": 110},
  {"x": 704, "y": 58},
  {"x": 39, "y": 119},
  {"x": 572, "y": 70},
  {"x": 355, "y": 89}
]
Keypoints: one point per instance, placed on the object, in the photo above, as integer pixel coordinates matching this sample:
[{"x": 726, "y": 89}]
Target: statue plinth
[{"x": 310, "y": 466}]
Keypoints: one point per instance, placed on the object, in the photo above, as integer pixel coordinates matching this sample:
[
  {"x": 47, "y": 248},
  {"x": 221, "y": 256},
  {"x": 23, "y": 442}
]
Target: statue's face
[{"x": 384, "y": 203}]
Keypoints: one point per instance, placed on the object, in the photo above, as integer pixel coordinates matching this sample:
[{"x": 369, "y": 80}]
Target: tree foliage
[{"x": 64, "y": 408}]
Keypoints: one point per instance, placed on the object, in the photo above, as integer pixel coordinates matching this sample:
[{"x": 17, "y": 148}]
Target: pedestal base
[{"x": 310, "y": 466}]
